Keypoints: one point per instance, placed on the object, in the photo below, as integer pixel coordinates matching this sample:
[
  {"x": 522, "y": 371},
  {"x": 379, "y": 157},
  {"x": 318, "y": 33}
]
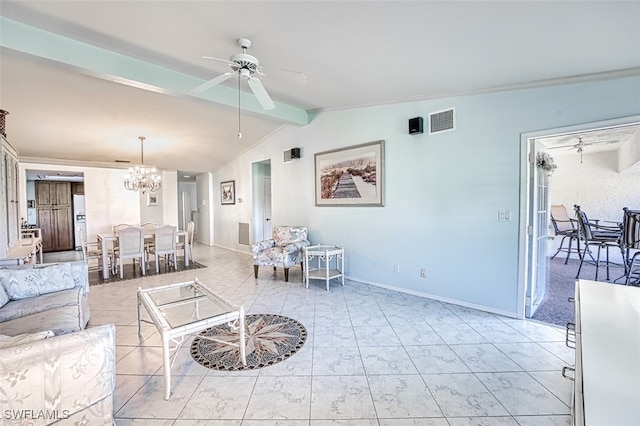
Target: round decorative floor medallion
[{"x": 270, "y": 339}]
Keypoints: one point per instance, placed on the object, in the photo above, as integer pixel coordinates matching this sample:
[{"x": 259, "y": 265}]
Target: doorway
[
  {"x": 261, "y": 191},
  {"x": 55, "y": 204},
  {"x": 535, "y": 234}
]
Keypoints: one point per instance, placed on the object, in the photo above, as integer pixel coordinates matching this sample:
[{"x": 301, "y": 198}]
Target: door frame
[{"x": 526, "y": 262}]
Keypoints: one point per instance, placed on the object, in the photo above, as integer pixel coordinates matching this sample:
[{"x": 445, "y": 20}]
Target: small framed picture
[
  {"x": 228, "y": 192},
  {"x": 152, "y": 198}
]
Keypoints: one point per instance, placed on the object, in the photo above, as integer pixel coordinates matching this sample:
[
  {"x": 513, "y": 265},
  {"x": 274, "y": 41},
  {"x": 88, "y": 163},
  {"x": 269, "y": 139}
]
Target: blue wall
[{"x": 442, "y": 192}]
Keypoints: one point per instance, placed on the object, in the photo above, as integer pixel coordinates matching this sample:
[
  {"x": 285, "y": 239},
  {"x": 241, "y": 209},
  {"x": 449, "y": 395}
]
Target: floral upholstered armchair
[{"x": 284, "y": 250}]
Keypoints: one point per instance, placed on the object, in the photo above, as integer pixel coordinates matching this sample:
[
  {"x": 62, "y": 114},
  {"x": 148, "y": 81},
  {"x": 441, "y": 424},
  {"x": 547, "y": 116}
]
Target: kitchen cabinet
[{"x": 54, "y": 215}]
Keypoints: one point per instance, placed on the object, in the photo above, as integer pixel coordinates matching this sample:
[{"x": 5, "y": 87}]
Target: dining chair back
[
  {"x": 600, "y": 236},
  {"x": 191, "y": 226},
  {"x": 631, "y": 244},
  {"x": 130, "y": 246},
  {"x": 164, "y": 244},
  {"x": 91, "y": 251},
  {"x": 149, "y": 227},
  {"x": 565, "y": 227}
]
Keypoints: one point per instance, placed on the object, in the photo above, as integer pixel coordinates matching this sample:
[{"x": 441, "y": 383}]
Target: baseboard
[{"x": 435, "y": 297}]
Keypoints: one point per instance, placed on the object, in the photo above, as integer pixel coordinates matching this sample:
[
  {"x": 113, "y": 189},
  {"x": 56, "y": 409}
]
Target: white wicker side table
[{"x": 329, "y": 263}]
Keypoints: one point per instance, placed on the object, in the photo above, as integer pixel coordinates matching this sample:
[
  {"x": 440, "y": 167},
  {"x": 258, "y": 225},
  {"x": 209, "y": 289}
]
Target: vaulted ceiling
[{"x": 82, "y": 80}]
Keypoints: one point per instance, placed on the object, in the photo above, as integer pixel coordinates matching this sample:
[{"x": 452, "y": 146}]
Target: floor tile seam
[
  {"x": 476, "y": 329},
  {"x": 492, "y": 394},
  {"x": 559, "y": 372},
  {"x": 519, "y": 364},
  {"x": 553, "y": 354},
  {"x": 508, "y": 411},
  {"x": 134, "y": 393},
  {"x": 494, "y": 371},
  {"x": 253, "y": 388}
]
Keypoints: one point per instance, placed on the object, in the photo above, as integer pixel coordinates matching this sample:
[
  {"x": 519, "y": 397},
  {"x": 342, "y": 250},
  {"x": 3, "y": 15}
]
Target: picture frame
[
  {"x": 351, "y": 176},
  {"x": 152, "y": 198},
  {"x": 228, "y": 192}
]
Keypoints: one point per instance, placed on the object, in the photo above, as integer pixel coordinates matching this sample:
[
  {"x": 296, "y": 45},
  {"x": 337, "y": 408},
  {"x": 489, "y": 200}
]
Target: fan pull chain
[{"x": 239, "y": 132}]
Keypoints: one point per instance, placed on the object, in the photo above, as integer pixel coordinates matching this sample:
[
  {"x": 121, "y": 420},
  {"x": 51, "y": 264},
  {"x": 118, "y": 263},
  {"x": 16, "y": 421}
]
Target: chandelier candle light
[{"x": 143, "y": 178}]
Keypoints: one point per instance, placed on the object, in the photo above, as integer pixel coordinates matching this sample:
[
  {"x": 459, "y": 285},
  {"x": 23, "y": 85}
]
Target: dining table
[{"x": 105, "y": 238}]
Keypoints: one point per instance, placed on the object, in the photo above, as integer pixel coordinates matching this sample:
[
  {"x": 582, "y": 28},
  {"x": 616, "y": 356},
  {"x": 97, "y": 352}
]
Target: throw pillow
[
  {"x": 4, "y": 299},
  {"x": 31, "y": 282},
  {"x": 21, "y": 339}
]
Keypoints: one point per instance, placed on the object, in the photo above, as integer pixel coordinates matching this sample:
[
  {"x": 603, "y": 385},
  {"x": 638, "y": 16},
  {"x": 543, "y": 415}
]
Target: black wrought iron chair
[
  {"x": 631, "y": 245},
  {"x": 600, "y": 236},
  {"x": 565, "y": 227}
]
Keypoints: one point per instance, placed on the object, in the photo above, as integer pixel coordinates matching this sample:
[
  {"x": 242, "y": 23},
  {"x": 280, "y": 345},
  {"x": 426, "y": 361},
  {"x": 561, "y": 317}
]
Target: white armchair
[
  {"x": 66, "y": 379},
  {"x": 284, "y": 250}
]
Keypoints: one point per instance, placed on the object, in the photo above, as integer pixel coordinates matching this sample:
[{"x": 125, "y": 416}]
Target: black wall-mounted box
[{"x": 415, "y": 126}]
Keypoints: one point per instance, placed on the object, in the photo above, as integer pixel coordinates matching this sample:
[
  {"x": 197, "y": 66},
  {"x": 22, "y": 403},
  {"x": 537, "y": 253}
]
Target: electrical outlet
[
  {"x": 423, "y": 273},
  {"x": 396, "y": 268}
]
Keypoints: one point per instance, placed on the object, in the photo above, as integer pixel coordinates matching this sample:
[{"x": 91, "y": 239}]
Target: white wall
[
  {"x": 595, "y": 185},
  {"x": 107, "y": 201},
  {"x": 443, "y": 192}
]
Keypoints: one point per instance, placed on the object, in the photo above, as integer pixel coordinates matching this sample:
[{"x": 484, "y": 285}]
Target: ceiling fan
[
  {"x": 244, "y": 65},
  {"x": 579, "y": 147}
]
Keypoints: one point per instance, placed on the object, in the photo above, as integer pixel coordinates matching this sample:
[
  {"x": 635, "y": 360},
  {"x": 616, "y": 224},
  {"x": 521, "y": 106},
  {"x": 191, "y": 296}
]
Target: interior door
[
  {"x": 185, "y": 207},
  {"x": 267, "y": 225},
  {"x": 539, "y": 233}
]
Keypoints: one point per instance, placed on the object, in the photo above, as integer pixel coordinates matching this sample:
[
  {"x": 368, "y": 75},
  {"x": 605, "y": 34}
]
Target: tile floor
[{"x": 373, "y": 357}]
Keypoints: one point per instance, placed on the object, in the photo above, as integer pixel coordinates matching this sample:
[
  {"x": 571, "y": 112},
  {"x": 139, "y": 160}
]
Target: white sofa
[
  {"x": 52, "y": 368},
  {"x": 44, "y": 297}
]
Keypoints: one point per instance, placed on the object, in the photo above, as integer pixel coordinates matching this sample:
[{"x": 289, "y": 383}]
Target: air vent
[
  {"x": 441, "y": 121},
  {"x": 243, "y": 233}
]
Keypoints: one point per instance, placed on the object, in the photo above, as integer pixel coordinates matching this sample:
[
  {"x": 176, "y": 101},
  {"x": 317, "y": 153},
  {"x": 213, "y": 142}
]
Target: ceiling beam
[{"x": 123, "y": 69}]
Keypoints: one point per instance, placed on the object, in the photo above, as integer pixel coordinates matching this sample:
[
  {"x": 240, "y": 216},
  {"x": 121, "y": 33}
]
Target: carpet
[
  {"x": 270, "y": 339},
  {"x": 130, "y": 272},
  {"x": 555, "y": 308}
]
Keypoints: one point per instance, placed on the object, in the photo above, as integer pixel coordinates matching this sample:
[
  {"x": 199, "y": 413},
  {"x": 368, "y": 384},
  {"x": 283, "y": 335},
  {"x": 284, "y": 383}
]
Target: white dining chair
[
  {"x": 189, "y": 241},
  {"x": 164, "y": 244},
  {"x": 130, "y": 246}
]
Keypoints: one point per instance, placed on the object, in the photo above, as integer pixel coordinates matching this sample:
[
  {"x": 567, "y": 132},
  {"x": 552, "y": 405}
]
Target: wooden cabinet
[
  {"x": 9, "y": 204},
  {"x": 54, "y": 215}
]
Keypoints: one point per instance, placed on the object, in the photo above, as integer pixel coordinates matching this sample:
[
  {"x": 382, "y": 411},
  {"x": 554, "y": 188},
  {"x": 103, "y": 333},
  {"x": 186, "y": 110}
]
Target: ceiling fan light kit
[{"x": 245, "y": 66}]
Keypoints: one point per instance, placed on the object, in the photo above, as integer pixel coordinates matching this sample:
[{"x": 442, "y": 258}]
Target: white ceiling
[
  {"x": 595, "y": 140},
  {"x": 352, "y": 53}
]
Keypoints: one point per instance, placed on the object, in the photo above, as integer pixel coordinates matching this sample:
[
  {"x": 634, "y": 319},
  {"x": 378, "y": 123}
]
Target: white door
[
  {"x": 539, "y": 234},
  {"x": 267, "y": 226},
  {"x": 185, "y": 209}
]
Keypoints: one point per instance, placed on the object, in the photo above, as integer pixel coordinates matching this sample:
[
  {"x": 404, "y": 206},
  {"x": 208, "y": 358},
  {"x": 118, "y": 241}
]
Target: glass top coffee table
[{"x": 180, "y": 309}]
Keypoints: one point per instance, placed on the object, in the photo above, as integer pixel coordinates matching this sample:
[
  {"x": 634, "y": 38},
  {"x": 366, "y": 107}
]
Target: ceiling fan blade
[
  {"x": 209, "y": 84},
  {"x": 601, "y": 142},
  {"x": 226, "y": 61},
  {"x": 561, "y": 146},
  {"x": 301, "y": 75},
  {"x": 261, "y": 94}
]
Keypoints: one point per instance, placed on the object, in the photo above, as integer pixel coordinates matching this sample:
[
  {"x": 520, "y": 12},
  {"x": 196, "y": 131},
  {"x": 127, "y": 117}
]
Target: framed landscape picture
[
  {"x": 228, "y": 192},
  {"x": 352, "y": 176}
]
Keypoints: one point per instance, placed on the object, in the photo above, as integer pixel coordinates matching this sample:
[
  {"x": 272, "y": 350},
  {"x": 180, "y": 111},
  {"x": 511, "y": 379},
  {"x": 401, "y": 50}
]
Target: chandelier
[{"x": 142, "y": 178}]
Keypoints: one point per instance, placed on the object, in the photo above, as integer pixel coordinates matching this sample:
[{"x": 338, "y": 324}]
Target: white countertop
[{"x": 610, "y": 326}]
